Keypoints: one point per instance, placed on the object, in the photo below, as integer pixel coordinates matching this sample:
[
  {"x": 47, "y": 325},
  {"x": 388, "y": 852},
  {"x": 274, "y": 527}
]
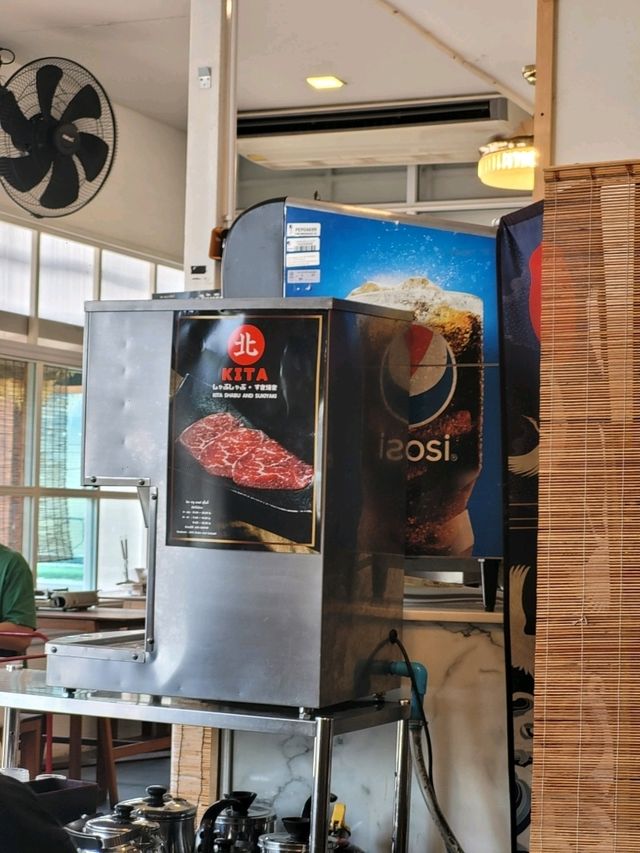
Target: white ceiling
[{"x": 138, "y": 49}]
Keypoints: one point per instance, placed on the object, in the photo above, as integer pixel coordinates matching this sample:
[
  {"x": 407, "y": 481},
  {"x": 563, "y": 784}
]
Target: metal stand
[
  {"x": 320, "y": 795},
  {"x": 27, "y": 690},
  {"x": 402, "y": 790},
  {"x": 225, "y": 762},
  {"x": 10, "y": 737},
  {"x": 11, "y": 728}
]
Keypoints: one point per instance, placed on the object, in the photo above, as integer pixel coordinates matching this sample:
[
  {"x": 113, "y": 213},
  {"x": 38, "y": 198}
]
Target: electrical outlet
[{"x": 204, "y": 77}]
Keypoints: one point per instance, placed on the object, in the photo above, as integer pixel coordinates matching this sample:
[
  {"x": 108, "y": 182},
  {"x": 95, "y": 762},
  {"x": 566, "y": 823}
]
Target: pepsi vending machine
[{"x": 446, "y": 274}]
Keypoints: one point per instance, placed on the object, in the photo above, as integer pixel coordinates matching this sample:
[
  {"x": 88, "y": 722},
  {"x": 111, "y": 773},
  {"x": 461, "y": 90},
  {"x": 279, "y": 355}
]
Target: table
[
  {"x": 93, "y": 620},
  {"x": 26, "y": 690}
]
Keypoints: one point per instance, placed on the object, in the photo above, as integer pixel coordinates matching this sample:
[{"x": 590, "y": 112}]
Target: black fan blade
[
  {"x": 47, "y": 79},
  {"x": 84, "y": 104},
  {"x": 24, "y": 173},
  {"x": 93, "y": 153},
  {"x": 13, "y": 121},
  {"x": 64, "y": 185}
]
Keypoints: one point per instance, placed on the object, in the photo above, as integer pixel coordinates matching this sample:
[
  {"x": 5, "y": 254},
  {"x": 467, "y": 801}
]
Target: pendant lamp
[{"x": 508, "y": 164}]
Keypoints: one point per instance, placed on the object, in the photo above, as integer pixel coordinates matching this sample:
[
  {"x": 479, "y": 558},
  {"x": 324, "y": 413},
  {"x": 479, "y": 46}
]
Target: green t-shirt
[{"x": 17, "y": 598}]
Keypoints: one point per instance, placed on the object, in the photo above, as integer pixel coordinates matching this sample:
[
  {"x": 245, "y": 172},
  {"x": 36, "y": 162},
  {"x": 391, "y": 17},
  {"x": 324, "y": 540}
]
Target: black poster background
[
  {"x": 284, "y": 405},
  {"x": 519, "y": 264}
]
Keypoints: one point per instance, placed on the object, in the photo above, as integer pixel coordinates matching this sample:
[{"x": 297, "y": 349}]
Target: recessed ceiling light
[{"x": 328, "y": 82}]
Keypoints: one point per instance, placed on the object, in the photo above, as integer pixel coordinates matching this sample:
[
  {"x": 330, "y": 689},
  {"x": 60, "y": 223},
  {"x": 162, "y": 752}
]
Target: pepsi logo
[{"x": 433, "y": 374}]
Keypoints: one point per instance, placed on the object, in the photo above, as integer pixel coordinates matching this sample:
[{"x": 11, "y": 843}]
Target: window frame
[{"x": 44, "y": 343}]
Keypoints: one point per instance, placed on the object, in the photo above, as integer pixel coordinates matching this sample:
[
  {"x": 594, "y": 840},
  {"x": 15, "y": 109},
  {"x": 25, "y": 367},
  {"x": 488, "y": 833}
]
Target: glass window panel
[
  {"x": 446, "y": 181},
  {"x": 124, "y": 277},
  {"x": 15, "y": 268},
  {"x": 169, "y": 280},
  {"x": 61, "y": 428},
  {"x": 13, "y": 522},
  {"x": 66, "y": 279},
  {"x": 65, "y": 543},
  {"x": 13, "y": 421},
  {"x": 121, "y": 523},
  {"x": 359, "y": 185}
]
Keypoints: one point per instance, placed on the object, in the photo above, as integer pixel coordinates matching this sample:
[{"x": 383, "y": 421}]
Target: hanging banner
[
  {"x": 519, "y": 248},
  {"x": 244, "y": 426}
]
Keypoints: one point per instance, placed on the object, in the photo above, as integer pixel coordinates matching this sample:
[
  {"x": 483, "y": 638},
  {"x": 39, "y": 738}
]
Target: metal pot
[
  {"x": 118, "y": 832},
  {"x": 282, "y": 842},
  {"x": 175, "y": 816},
  {"x": 244, "y": 823},
  {"x": 295, "y": 839},
  {"x": 208, "y": 838}
]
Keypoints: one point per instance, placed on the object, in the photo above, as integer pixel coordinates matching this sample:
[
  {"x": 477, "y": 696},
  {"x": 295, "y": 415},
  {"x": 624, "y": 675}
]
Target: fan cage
[{"x": 74, "y": 77}]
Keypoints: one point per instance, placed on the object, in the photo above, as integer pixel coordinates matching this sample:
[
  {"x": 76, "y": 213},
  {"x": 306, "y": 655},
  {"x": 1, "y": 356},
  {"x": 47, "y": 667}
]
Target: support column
[
  {"x": 211, "y": 136},
  {"x": 545, "y": 90},
  {"x": 210, "y": 203}
]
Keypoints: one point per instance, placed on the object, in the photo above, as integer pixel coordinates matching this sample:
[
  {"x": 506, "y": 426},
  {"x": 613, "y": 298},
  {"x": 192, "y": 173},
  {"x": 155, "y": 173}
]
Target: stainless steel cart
[{"x": 26, "y": 690}]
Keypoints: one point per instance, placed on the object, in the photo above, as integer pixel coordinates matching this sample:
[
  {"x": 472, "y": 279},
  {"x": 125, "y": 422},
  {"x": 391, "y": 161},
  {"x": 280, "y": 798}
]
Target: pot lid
[
  {"x": 257, "y": 813},
  {"x": 116, "y": 828},
  {"x": 282, "y": 842},
  {"x": 159, "y": 805}
]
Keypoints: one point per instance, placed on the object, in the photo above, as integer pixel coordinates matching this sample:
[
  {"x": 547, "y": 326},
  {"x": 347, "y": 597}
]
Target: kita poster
[
  {"x": 244, "y": 430},
  {"x": 448, "y": 279}
]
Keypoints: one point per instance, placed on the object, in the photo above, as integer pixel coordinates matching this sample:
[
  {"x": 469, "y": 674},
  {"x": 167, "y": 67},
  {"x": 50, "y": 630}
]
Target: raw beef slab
[
  {"x": 270, "y": 466},
  {"x": 221, "y": 455},
  {"x": 199, "y": 435},
  {"x": 226, "y": 448}
]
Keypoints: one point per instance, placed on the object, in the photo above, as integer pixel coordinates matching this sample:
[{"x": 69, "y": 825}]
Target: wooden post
[{"x": 545, "y": 90}]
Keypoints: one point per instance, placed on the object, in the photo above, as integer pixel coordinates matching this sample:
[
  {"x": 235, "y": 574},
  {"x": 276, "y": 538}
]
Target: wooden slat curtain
[{"x": 586, "y": 764}]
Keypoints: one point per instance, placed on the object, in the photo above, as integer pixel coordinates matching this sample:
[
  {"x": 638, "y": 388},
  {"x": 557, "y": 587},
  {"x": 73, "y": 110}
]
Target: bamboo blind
[
  {"x": 586, "y": 761},
  {"x": 194, "y": 765}
]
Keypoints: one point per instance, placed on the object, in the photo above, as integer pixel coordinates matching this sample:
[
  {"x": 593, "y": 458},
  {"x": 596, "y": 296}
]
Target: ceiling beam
[{"x": 525, "y": 103}]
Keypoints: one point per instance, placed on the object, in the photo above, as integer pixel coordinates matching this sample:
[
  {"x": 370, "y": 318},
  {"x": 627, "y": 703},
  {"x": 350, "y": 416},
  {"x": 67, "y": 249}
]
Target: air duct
[{"x": 442, "y": 130}]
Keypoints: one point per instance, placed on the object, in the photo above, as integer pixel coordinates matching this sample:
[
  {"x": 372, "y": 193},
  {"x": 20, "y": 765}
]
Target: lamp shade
[{"x": 508, "y": 164}]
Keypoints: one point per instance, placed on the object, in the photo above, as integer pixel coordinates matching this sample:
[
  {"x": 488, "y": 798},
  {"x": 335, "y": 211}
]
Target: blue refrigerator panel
[{"x": 447, "y": 275}]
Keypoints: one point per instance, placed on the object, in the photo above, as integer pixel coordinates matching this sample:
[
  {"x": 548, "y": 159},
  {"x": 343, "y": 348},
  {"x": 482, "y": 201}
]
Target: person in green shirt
[{"x": 17, "y": 602}]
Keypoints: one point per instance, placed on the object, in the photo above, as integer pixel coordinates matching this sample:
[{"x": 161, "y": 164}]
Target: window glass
[
  {"x": 358, "y": 185},
  {"x": 13, "y": 421},
  {"x": 61, "y": 428},
  {"x": 121, "y": 536},
  {"x": 168, "y": 279},
  {"x": 447, "y": 181},
  {"x": 66, "y": 279},
  {"x": 65, "y": 537},
  {"x": 15, "y": 268},
  {"x": 13, "y": 522},
  {"x": 124, "y": 277}
]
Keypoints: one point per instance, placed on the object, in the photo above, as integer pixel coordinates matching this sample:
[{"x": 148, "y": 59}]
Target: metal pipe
[
  {"x": 152, "y": 524},
  {"x": 225, "y": 762},
  {"x": 10, "y": 737},
  {"x": 402, "y": 790},
  {"x": 322, "y": 749}
]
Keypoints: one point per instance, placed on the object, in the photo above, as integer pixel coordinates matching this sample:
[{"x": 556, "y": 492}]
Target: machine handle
[{"x": 151, "y": 519}]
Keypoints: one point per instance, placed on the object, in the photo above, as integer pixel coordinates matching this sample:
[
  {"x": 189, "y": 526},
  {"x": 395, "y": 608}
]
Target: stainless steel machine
[{"x": 255, "y": 432}]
